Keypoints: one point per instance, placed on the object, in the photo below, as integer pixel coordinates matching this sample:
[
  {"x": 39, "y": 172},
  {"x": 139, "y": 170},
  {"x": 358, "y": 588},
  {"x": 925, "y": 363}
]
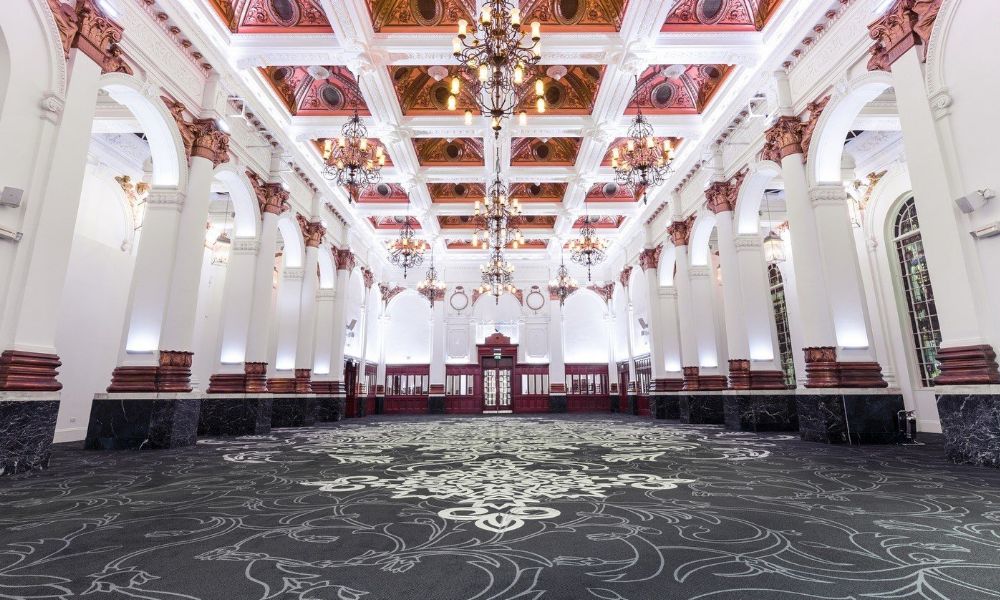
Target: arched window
[
  {"x": 781, "y": 321},
  {"x": 916, "y": 287}
]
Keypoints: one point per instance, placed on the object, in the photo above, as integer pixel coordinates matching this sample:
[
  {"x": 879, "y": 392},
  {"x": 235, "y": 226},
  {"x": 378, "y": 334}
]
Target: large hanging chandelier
[
  {"x": 431, "y": 287},
  {"x": 497, "y": 275},
  {"x": 406, "y": 251},
  {"x": 353, "y": 162},
  {"x": 498, "y": 218},
  {"x": 562, "y": 285},
  {"x": 500, "y": 59},
  {"x": 641, "y": 162},
  {"x": 588, "y": 250}
]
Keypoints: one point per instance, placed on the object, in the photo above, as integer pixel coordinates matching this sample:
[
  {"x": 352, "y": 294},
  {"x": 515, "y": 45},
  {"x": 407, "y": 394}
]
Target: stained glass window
[
  {"x": 916, "y": 287},
  {"x": 787, "y": 353}
]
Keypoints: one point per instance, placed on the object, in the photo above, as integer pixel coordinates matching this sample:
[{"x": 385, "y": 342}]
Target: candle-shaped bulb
[
  {"x": 341, "y": 141},
  {"x": 484, "y": 72},
  {"x": 515, "y": 17},
  {"x": 536, "y": 30},
  {"x": 540, "y": 105},
  {"x": 518, "y": 75},
  {"x": 364, "y": 143},
  {"x": 522, "y": 119},
  {"x": 486, "y": 14},
  {"x": 468, "y": 117},
  {"x": 630, "y": 146},
  {"x": 452, "y": 103},
  {"x": 539, "y": 87},
  {"x": 456, "y": 46},
  {"x": 463, "y": 28},
  {"x": 455, "y": 85},
  {"x": 650, "y": 142}
]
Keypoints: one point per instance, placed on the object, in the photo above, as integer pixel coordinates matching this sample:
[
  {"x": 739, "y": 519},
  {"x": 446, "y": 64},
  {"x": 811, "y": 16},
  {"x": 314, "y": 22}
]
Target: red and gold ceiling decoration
[
  {"x": 437, "y": 152},
  {"x": 419, "y": 15},
  {"x": 666, "y": 90},
  {"x": 318, "y": 144},
  {"x": 609, "y": 192},
  {"x": 383, "y": 193},
  {"x": 306, "y": 92},
  {"x": 468, "y": 221},
  {"x": 569, "y": 90},
  {"x": 538, "y": 192},
  {"x": 392, "y": 223},
  {"x": 675, "y": 143},
  {"x": 453, "y": 193},
  {"x": 575, "y": 15},
  {"x": 419, "y": 92},
  {"x": 600, "y": 222},
  {"x": 725, "y": 15},
  {"x": 553, "y": 152},
  {"x": 529, "y": 244},
  {"x": 272, "y": 16}
]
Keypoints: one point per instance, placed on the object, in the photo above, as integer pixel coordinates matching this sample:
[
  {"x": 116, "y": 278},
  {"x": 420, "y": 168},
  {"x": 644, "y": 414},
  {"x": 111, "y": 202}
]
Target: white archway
[
  {"x": 327, "y": 270},
  {"x": 409, "y": 320},
  {"x": 760, "y": 177},
  {"x": 699, "y": 252},
  {"x": 668, "y": 263},
  {"x": 587, "y": 340},
  {"x": 291, "y": 238},
  {"x": 235, "y": 181},
  {"x": 641, "y": 319}
]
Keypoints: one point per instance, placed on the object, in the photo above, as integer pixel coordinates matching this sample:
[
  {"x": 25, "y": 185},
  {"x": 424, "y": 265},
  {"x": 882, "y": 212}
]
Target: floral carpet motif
[{"x": 503, "y": 508}]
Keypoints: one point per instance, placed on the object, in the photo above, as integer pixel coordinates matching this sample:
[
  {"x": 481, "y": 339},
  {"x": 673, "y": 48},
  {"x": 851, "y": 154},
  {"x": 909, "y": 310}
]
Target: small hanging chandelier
[
  {"x": 406, "y": 251},
  {"x": 588, "y": 250},
  {"x": 498, "y": 218},
  {"x": 641, "y": 162},
  {"x": 496, "y": 57},
  {"x": 497, "y": 275},
  {"x": 562, "y": 285},
  {"x": 431, "y": 287},
  {"x": 353, "y": 162},
  {"x": 774, "y": 246}
]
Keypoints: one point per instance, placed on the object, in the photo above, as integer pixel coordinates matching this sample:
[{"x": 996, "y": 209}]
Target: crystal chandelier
[
  {"x": 774, "y": 246},
  {"x": 352, "y": 162},
  {"x": 640, "y": 162},
  {"x": 498, "y": 218},
  {"x": 497, "y": 275},
  {"x": 588, "y": 250},
  {"x": 500, "y": 59},
  {"x": 562, "y": 285},
  {"x": 406, "y": 251},
  {"x": 431, "y": 287}
]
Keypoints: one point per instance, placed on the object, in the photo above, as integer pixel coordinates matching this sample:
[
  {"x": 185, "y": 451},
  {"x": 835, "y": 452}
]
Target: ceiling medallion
[
  {"x": 498, "y": 275},
  {"x": 495, "y": 55},
  {"x": 588, "y": 250},
  {"x": 498, "y": 217},
  {"x": 431, "y": 287},
  {"x": 640, "y": 162},
  {"x": 406, "y": 251},
  {"x": 562, "y": 285},
  {"x": 353, "y": 162}
]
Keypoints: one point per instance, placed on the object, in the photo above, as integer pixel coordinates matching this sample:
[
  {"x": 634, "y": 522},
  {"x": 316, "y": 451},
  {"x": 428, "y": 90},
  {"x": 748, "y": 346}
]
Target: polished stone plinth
[
  {"x": 27, "y": 426},
  {"x": 849, "y": 415},
  {"x": 298, "y": 410},
  {"x": 436, "y": 404},
  {"x": 379, "y": 404},
  {"x": 665, "y": 405},
  {"x": 136, "y": 420},
  {"x": 760, "y": 410},
  {"x": 330, "y": 408},
  {"x": 235, "y": 414},
  {"x": 701, "y": 408},
  {"x": 970, "y": 422},
  {"x": 632, "y": 403},
  {"x": 557, "y": 403}
]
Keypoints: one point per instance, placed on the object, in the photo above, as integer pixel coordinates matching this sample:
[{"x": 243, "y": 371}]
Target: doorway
[{"x": 498, "y": 377}]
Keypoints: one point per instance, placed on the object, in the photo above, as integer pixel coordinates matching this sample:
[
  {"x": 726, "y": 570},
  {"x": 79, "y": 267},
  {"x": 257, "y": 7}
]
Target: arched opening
[
  {"x": 409, "y": 321},
  {"x": 288, "y": 294},
  {"x": 641, "y": 322},
  {"x": 584, "y": 329},
  {"x": 354, "y": 307},
  {"x": 779, "y": 303},
  {"x": 491, "y": 316}
]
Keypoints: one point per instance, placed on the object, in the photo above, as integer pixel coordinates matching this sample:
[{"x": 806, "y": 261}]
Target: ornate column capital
[
  {"x": 312, "y": 231},
  {"x": 271, "y": 197},
  {"x": 680, "y": 231},
  {"x": 202, "y": 137},
  {"x": 165, "y": 198},
  {"x": 722, "y": 195},
  {"x": 784, "y": 138},
  {"x": 625, "y": 276},
  {"x": 344, "y": 259},
  {"x": 906, "y": 24},
  {"x": 86, "y": 28},
  {"x": 649, "y": 258},
  {"x": 368, "y": 277}
]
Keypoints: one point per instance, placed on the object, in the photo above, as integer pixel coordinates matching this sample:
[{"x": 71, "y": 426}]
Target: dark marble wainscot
[
  {"x": 760, "y": 410},
  {"x": 557, "y": 403},
  {"x": 143, "y": 421},
  {"x": 665, "y": 405},
  {"x": 702, "y": 408},
  {"x": 27, "y": 426},
  {"x": 330, "y": 408},
  {"x": 849, "y": 415},
  {"x": 436, "y": 404},
  {"x": 632, "y": 403},
  {"x": 970, "y": 422},
  {"x": 235, "y": 414},
  {"x": 294, "y": 410}
]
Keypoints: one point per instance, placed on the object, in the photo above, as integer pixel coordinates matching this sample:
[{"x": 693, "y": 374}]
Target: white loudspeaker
[{"x": 11, "y": 197}]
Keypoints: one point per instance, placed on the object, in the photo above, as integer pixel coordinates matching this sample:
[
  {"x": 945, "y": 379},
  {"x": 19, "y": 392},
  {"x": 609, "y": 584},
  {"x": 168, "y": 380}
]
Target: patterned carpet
[{"x": 503, "y": 508}]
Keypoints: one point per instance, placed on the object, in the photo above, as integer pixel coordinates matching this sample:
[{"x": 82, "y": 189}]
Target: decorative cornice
[
  {"x": 312, "y": 231},
  {"x": 325, "y": 295},
  {"x": 828, "y": 195},
  {"x": 245, "y": 245},
  {"x": 649, "y": 258},
  {"x": 905, "y": 25},
  {"x": 165, "y": 198},
  {"x": 747, "y": 241}
]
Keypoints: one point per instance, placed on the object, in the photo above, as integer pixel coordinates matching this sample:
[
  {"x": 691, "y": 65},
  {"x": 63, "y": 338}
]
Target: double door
[{"x": 498, "y": 377}]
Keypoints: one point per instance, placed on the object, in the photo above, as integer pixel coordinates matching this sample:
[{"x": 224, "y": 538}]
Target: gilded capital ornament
[
  {"x": 85, "y": 27},
  {"x": 312, "y": 231},
  {"x": 784, "y": 138},
  {"x": 271, "y": 197},
  {"x": 905, "y": 25},
  {"x": 650, "y": 258},
  {"x": 680, "y": 231}
]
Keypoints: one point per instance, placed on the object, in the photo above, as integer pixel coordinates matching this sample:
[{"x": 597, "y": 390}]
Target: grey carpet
[{"x": 555, "y": 507}]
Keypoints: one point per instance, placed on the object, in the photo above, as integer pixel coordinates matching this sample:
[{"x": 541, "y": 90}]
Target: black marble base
[
  {"x": 615, "y": 403},
  {"x": 379, "y": 405},
  {"x": 848, "y": 417},
  {"x": 155, "y": 423},
  {"x": 971, "y": 427},
  {"x": 701, "y": 409},
  {"x": 245, "y": 415},
  {"x": 435, "y": 405},
  {"x": 330, "y": 408},
  {"x": 761, "y": 412},
  {"x": 666, "y": 406},
  {"x": 557, "y": 403},
  {"x": 294, "y": 411},
  {"x": 633, "y": 404},
  {"x": 26, "y": 431}
]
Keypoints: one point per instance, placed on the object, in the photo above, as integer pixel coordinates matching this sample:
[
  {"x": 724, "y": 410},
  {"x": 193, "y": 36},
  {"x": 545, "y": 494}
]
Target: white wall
[
  {"x": 585, "y": 329},
  {"x": 408, "y": 336}
]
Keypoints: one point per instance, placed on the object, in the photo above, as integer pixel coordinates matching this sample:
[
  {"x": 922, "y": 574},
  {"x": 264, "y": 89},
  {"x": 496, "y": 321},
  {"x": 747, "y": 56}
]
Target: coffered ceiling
[{"x": 311, "y": 62}]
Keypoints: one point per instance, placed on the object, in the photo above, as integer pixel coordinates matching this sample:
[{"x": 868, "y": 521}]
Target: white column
[
  {"x": 237, "y": 305},
  {"x": 737, "y": 344},
  {"x": 704, "y": 317},
  {"x": 658, "y": 368},
  {"x": 326, "y": 301},
  {"x": 287, "y": 309},
  {"x": 755, "y": 297},
  {"x": 263, "y": 288},
  {"x": 671, "y": 331},
  {"x": 609, "y": 322},
  {"x": 438, "y": 327},
  {"x": 338, "y": 329},
  {"x": 306, "y": 336},
  {"x": 685, "y": 309},
  {"x": 557, "y": 361}
]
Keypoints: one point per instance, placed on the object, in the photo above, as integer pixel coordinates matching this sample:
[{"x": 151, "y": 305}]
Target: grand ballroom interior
[{"x": 499, "y": 299}]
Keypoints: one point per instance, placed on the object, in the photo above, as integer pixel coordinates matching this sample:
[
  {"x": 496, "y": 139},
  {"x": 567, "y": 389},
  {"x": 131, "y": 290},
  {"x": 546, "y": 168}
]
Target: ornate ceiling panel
[
  {"x": 731, "y": 15},
  {"x": 601, "y": 222},
  {"x": 609, "y": 192},
  {"x": 305, "y": 92},
  {"x": 436, "y": 152},
  {"x": 420, "y": 93},
  {"x": 675, "y": 143},
  {"x": 318, "y": 144},
  {"x": 466, "y": 222},
  {"x": 688, "y": 93},
  {"x": 419, "y": 15},
  {"x": 555, "y": 152},
  {"x": 272, "y": 16},
  {"x": 383, "y": 223},
  {"x": 569, "y": 90},
  {"x": 529, "y": 244},
  {"x": 452, "y": 193},
  {"x": 383, "y": 193},
  {"x": 575, "y": 15},
  {"x": 538, "y": 192}
]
